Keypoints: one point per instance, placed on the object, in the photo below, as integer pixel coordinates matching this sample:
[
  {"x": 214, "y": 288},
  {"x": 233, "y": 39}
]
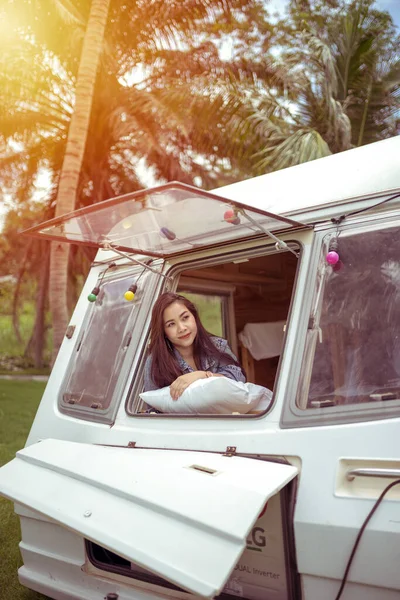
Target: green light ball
[
  {"x": 129, "y": 296},
  {"x": 92, "y": 297}
]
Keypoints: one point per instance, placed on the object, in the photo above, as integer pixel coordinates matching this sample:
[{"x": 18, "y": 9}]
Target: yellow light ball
[{"x": 129, "y": 296}]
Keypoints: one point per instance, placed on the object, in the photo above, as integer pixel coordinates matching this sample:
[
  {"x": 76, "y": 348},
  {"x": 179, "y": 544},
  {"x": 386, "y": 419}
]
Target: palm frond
[
  {"x": 301, "y": 146},
  {"x": 69, "y": 13}
]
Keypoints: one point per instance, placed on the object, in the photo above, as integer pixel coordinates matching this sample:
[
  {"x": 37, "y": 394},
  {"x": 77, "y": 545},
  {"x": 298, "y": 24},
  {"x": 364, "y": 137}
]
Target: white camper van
[{"x": 295, "y": 500}]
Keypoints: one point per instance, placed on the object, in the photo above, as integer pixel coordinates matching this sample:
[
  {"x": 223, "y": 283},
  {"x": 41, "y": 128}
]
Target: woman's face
[{"x": 179, "y": 325}]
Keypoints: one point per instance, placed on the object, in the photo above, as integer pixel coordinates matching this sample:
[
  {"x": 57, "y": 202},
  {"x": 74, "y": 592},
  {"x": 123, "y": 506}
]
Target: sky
[{"x": 392, "y": 6}]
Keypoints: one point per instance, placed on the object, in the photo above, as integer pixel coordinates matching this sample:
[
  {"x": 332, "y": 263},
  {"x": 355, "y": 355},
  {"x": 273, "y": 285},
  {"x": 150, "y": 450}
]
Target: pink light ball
[
  {"x": 332, "y": 257},
  {"x": 229, "y": 214},
  {"x": 231, "y": 217}
]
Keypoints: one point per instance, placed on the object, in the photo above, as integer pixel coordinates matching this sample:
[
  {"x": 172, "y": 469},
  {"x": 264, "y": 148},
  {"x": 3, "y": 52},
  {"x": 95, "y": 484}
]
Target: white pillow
[{"x": 213, "y": 395}]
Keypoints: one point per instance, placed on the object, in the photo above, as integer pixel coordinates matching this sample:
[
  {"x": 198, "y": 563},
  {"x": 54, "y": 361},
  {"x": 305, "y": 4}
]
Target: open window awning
[
  {"x": 182, "y": 515},
  {"x": 161, "y": 222}
]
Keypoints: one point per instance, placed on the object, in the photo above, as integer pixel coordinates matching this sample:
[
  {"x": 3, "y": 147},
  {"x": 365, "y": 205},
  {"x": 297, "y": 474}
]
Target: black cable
[
  {"x": 370, "y": 514},
  {"x": 140, "y": 274},
  {"x": 110, "y": 266},
  {"x": 338, "y": 220}
]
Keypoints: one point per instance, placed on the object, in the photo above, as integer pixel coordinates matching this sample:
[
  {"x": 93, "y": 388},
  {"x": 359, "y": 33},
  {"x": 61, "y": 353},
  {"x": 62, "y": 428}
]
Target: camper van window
[
  {"x": 94, "y": 370},
  {"x": 353, "y": 341},
  {"x": 245, "y": 301}
]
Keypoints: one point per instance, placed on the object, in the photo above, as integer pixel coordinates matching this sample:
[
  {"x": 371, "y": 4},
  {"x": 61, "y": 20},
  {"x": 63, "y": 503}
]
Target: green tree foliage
[
  {"x": 321, "y": 80},
  {"x": 167, "y": 47},
  {"x": 168, "y": 104},
  {"x": 333, "y": 84},
  {"x": 349, "y": 51},
  {"x": 157, "y": 57}
]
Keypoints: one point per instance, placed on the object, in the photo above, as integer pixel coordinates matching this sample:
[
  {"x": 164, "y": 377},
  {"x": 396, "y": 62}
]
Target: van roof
[{"x": 323, "y": 183}]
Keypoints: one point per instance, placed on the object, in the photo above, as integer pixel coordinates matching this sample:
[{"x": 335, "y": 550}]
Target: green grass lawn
[
  {"x": 18, "y": 404},
  {"x": 12, "y": 352}
]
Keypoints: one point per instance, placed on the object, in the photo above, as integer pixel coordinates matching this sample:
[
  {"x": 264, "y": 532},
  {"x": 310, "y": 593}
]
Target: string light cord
[
  {"x": 357, "y": 212},
  {"x": 130, "y": 293},
  {"x": 110, "y": 266},
  {"x": 108, "y": 246},
  {"x": 360, "y": 533},
  {"x": 139, "y": 276},
  {"x": 338, "y": 220},
  {"x": 96, "y": 290},
  {"x": 333, "y": 258}
]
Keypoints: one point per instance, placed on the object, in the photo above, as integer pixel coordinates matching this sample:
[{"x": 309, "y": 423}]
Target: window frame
[
  {"x": 132, "y": 399},
  {"x": 292, "y": 415},
  {"x": 136, "y": 319}
]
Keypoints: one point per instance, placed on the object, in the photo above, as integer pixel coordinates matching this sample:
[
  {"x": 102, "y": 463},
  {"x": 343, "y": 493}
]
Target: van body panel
[
  {"x": 327, "y": 183},
  {"x": 134, "y": 502},
  {"x": 328, "y": 507}
]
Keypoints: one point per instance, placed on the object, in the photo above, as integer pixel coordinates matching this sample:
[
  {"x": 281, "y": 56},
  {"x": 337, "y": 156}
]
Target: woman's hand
[{"x": 181, "y": 383}]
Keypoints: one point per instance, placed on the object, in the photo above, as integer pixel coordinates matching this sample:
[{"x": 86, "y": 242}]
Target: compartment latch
[{"x": 230, "y": 451}]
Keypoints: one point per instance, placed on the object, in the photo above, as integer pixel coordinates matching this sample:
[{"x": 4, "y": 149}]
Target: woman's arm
[{"x": 182, "y": 382}]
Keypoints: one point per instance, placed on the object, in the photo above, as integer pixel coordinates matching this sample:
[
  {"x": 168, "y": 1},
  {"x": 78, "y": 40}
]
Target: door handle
[{"x": 386, "y": 473}]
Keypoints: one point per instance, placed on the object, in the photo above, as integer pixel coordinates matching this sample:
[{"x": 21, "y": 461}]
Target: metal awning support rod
[
  {"x": 109, "y": 246},
  {"x": 280, "y": 244}
]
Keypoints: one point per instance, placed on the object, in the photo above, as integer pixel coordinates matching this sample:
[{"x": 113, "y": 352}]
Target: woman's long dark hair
[{"x": 165, "y": 367}]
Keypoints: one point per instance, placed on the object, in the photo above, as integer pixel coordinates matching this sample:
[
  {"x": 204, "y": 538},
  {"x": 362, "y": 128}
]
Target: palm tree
[
  {"x": 192, "y": 116},
  {"x": 165, "y": 17},
  {"x": 131, "y": 121},
  {"x": 365, "y": 48},
  {"x": 71, "y": 168},
  {"x": 337, "y": 85}
]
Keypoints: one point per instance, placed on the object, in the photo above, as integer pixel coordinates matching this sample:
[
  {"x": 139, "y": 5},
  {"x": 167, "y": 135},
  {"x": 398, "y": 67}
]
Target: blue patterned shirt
[{"x": 209, "y": 364}]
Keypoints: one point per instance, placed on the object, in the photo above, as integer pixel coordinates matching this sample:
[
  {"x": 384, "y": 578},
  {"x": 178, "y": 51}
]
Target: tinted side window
[
  {"x": 95, "y": 368},
  {"x": 356, "y": 328}
]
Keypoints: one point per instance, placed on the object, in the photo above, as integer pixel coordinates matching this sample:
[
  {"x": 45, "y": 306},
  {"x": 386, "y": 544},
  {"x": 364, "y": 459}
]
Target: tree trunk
[
  {"x": 21, "y": 272},
  {"x": 36, "y": 343},
  {"x": 70, "y": 172},
  {"x": 365, "y": 112}
]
